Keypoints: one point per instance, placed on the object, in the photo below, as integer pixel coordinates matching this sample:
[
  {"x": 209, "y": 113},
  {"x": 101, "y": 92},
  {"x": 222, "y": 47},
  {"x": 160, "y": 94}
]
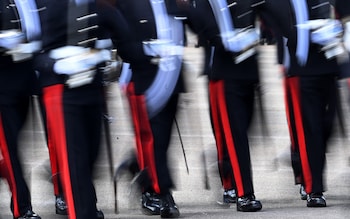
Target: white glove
[
  {"x": 346, "y": 37},
  {"x": 24, "y": 51},
  {"x": 328, "y": 31},
  {"x": 9, "y": 39},
  {"x": 240, "y": 40},
  {"x": 67, "y": 51},
  {"x": 81, "y": 62},
  {"x": 81, "y": 68},
  {"x": 161, "y": 48}
]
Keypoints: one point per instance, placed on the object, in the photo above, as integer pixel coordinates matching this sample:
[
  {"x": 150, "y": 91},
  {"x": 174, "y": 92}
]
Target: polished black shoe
[
  {"x": 61, "y": 206},
  {"x": 229, "y": 196},
  {"x": 303, "y": 195},
  {"x": 316, "y": 200},
  {"x": 99, "y": 214},
  {"x": 168, "y": 208},
  {"x": 29, "y": 215},
  {"x": 150, "y": 203},
  {"x": 248, "y": 204}
]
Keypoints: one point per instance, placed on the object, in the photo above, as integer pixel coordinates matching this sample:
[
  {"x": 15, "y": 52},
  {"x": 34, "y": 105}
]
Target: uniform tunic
[
  {"x": 152, "y": 132},
  {"x": 231, "y": 94},
  {"x": 17, "y": 84},
  {"x": 73, "y": 115}
]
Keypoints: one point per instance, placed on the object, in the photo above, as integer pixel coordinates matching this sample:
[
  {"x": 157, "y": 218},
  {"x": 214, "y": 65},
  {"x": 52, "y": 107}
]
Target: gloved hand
[
  {"x": 80, "y": 63},
  {"x": 81, "y": 68},
  {"x": 346, "y": 37},
  {"x": 328, "y": 31},
  {"x": 11, "y": 38},
  {"x": 240, "y": 40},
  {"x": 242, "y": 43},
  {"x": 23, "y": 51},
  {"x": 161, "y": 48}
]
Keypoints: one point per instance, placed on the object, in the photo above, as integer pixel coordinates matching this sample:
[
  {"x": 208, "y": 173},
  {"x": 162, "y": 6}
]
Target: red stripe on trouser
[
  {"x": 295, "y": 93},
  {"x": 135, "y": 118},
  {"x": 143, "y": 135},
  {"x": 287, "y": 106},
  {"x": 54, "y": 165},
  {"x": 217, "y": 101},
  {"x": 9, "y": 169},
  {"x": 3, "y": 171},
  {"x": 53, "y": 102},
  {"x": 227, "y": 184}
]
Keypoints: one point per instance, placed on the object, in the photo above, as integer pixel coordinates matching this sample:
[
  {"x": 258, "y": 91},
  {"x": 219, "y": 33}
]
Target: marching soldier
[
  {"x": 155, "y": 57},
  {"x": 19, "y": 36},
  {"x": 233, "y": 78},
  {"x": 294, "y": 147},
  {"x": 71, "y": 66},
  {"x": 311, "y": 81}
]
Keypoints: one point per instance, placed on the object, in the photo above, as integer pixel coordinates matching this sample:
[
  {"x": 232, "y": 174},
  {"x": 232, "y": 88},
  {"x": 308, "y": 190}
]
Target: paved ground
[{"x": 273, "y": 178}]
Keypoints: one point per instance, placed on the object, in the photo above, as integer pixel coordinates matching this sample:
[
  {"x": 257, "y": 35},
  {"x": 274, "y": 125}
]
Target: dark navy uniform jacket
[
  {"x": 281, "y": 17},
  {"x": 138, "y": 16},
  {"x": 61, "y": 24},
  {"x": 9, "y": 20},
  {"x": 19, "y": 80},
  {"x": 202, "y": 21}
]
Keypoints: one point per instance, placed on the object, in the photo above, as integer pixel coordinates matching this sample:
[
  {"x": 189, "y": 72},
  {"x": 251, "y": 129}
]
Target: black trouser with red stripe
[
  {"x": 313, "y": 107},
  {"x": 152, "y": 140},
  {"x": 74, "y": 118},
  {"x": 294, "y": 147},
  {"x": 57, "y": 186},
  {"x": 16, "y": 86},
  {"x": 231, "y": 109}
]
